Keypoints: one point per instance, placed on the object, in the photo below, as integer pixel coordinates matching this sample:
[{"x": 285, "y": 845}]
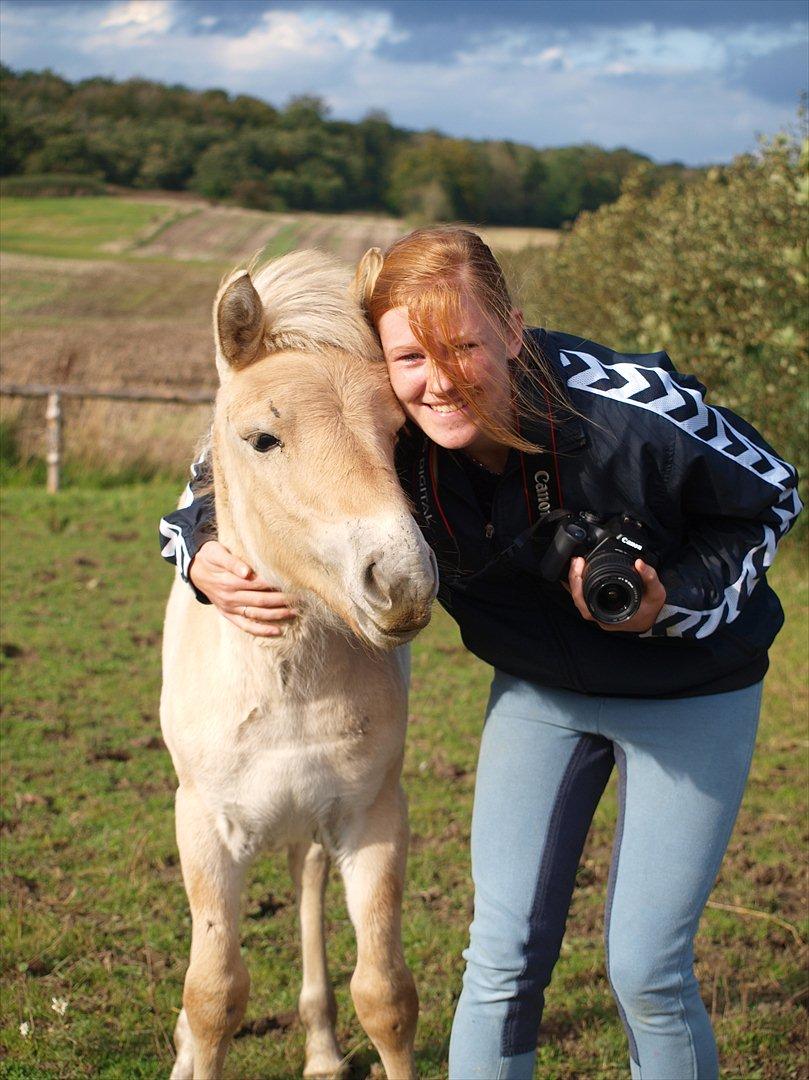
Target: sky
[{"x": 688, "y": 80}]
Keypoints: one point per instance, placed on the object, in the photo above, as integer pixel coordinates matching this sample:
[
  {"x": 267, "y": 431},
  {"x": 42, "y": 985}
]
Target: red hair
[{"x": 430, "y": 271}]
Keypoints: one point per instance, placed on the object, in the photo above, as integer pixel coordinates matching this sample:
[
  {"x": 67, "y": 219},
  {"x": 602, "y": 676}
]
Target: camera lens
[
  {"x": 612, "y": 587},
  {"x": 613, "y": 597}
]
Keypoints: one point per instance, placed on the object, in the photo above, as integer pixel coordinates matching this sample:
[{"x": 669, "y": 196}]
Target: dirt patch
[
  {"x": 215, "y": 232},
  {"x": 231, "y": 234},
  {"x": 227, "y": 232}
]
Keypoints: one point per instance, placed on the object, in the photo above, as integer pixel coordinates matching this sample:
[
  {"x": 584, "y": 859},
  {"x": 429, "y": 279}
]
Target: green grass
[
  {"x": 86, "y": 228},
  {"x": 93, "y": 906}
]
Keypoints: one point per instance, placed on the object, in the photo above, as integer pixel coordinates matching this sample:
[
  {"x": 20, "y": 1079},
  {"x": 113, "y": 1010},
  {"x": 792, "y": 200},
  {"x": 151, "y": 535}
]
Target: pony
[{"x": 297, "y": 741}]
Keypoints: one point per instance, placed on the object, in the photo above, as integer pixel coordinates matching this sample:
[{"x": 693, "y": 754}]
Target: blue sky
[{"x": 692, "y": 80}]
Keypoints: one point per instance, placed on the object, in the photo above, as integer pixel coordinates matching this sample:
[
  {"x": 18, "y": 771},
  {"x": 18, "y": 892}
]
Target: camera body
[{"x": 613, "y": 588}]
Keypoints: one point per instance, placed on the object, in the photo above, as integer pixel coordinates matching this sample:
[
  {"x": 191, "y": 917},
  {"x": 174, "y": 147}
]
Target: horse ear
[
  {"x": 365, "y": 278},
  {"x": 239, "y": 323}
]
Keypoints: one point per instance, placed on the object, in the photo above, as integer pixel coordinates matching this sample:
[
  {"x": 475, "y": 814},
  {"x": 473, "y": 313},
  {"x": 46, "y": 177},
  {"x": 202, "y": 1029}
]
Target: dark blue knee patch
[{"x": 577, "y": 797}]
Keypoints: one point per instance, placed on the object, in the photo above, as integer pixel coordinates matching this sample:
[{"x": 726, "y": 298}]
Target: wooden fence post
[
  {"x": 53, "y": 412},
  {"x": 53, "y": 424}
]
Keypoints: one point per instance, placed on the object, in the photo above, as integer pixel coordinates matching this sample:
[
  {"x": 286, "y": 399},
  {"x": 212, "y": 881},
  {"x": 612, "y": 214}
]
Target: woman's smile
[{"x": 426, "y": 390}]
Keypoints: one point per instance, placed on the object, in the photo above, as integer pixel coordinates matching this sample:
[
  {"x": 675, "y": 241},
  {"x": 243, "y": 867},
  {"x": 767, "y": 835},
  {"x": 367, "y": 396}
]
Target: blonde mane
[{"x": 308, "y": 303}]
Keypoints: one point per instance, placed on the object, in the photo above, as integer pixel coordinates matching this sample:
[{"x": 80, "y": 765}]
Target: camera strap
[
  {"x": 519, "y": 542},
  {"x": 542, "y": 485}
]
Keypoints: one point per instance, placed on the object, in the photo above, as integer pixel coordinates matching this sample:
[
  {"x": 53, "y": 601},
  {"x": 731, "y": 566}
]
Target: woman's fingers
[
  {"x": 218, "y": 556},
  {"x": 265, "y": 601},
  {"x": 574, "y": 579},
  {"x": 247, "y": 601},
  {"x": 653, "y": 588},
  {"x": 262, "y": 614},
  {"x": 253, "y": 626}
]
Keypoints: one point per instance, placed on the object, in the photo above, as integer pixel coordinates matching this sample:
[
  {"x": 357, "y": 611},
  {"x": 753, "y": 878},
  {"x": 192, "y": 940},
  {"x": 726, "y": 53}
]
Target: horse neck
[{"x": 309, "y": 660}]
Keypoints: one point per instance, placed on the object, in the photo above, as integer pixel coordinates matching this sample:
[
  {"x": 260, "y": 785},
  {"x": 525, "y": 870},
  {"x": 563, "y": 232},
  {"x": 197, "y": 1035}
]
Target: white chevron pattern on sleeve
[
  {"x": 175, "y": 548},
  {"x": 682, "y": 622},
  {"x": 656, "y": 391},
  {"x": 187, "y": 496}
]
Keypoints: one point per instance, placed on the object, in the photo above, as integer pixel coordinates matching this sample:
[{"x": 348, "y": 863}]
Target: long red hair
[{"x": 430, "y": 271}]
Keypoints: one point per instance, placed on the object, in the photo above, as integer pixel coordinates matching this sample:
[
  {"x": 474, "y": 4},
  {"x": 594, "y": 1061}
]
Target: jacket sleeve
[
  {"x": 183, "y": 532},
  {"x": 738, "y": 499}
]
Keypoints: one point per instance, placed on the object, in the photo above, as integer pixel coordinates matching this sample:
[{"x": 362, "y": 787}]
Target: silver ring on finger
[{"x": 244, "y": 611}]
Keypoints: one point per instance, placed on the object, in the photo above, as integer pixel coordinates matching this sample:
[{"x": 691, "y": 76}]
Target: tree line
[{"x": 237, "y": 148}]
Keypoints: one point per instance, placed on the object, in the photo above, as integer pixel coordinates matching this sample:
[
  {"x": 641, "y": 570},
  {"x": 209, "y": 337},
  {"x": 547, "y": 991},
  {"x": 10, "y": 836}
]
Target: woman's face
[{"x": 427, "y": 394}]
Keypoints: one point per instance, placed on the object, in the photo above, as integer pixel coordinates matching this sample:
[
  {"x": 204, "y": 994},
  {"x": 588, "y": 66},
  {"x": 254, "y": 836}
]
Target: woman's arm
[
  {"x": 738, "y": 498},
  {"x": 185, "y": 530},
  {"x": 187, "y": 539}
]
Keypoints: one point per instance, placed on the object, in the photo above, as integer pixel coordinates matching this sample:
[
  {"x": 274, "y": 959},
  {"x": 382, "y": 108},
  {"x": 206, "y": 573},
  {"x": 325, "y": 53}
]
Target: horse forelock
[{"x": 309, "y": 306}]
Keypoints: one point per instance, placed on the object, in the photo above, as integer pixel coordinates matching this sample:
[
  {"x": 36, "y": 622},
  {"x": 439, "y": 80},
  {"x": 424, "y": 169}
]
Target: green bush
[
  {"x": 713, "y": 271},
  {"x": 51, "y": 185}
]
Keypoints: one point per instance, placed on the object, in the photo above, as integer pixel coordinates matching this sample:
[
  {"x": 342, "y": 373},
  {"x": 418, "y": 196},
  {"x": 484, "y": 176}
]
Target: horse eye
[{"x": 263, "y": 441}]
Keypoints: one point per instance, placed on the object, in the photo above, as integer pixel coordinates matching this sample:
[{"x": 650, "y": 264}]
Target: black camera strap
[{"x": 463, "y": 581}]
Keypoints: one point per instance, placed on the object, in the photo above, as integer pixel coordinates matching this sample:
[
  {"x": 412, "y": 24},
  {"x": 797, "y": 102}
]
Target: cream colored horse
[{"x": 297, "y": 741}]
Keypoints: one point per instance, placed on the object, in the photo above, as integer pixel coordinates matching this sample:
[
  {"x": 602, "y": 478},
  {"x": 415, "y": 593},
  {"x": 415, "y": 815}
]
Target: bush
[
  {"x": 51, "y": 185},
  {"x": 714, "y": 271}
]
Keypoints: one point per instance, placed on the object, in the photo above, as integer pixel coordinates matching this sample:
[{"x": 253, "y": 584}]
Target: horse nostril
[{"x": 370, "y": 583}]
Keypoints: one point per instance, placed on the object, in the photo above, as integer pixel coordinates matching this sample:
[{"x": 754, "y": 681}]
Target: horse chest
[{"x": 290, "y": 774}]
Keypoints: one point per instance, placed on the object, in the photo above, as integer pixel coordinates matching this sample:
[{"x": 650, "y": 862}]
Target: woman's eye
[
  {"x": 263, "y": 441},
  {"x": 409, "y": 358}
]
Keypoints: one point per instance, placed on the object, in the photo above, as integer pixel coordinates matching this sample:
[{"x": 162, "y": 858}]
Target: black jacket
[{"x": 714, "y": 497}]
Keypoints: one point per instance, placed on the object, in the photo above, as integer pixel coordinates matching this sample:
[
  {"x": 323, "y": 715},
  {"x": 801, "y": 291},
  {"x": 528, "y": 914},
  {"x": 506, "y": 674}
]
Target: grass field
[{"x": 94, "y": 913}]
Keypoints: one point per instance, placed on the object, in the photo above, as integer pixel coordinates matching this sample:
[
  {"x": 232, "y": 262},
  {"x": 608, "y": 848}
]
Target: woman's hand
[
  {"x": 247, "y": 601},
  {"x": 653, "y": 599}
]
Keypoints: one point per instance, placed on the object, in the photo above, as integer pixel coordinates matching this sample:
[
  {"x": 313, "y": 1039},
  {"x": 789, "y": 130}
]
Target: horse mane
[{"x": 309, "y": 304}]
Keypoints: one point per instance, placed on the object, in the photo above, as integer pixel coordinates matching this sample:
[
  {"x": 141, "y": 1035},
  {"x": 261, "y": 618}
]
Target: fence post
[{"x": 53, "y": 434}]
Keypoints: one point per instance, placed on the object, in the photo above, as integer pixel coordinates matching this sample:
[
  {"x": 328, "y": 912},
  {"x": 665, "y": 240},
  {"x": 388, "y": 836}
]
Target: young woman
[{"x": 506, "y": 428}]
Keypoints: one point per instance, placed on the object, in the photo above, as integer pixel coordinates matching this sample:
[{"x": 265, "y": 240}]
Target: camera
[{"x": 612, "y": 586}]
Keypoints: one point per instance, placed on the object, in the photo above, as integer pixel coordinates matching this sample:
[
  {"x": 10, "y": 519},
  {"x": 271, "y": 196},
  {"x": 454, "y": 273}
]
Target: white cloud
[
  {"x": 549, "y": 55},
  {"x": 137, "y": 20},
  {"x": 620, "y": 67},
  {"x": 307, "y": 35}
]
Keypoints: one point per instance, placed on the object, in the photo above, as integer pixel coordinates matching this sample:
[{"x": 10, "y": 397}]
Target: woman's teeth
[{"x": 445, "y": 408}]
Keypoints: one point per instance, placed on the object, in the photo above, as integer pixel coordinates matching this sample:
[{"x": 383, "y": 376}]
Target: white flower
[
  {"x": 59, "y": 1006},
  {"x": 25, "y": 1029}
]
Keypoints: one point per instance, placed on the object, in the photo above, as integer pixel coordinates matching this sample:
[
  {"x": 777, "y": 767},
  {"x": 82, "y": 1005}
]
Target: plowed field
[{"x": 111, "y": 292}]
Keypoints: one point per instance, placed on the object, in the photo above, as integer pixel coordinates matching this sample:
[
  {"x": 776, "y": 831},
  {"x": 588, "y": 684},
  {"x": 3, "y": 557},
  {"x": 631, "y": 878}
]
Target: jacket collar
[{"x": 553, "y": 424}]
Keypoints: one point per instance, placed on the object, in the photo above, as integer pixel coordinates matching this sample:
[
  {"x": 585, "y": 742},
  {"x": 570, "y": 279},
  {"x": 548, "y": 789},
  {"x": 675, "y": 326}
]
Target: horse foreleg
[
  {"x": 373, "y": 867},
  {"x": 309, "y": 866},
  {"x": 217, "y": 983}
]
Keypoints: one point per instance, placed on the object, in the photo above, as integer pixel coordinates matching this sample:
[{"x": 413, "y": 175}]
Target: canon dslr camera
[{"x": 612, "y": 586}]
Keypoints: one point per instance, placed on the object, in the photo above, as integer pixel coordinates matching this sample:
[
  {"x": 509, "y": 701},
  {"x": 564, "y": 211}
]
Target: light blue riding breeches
[{"x": 545, "y": 758}]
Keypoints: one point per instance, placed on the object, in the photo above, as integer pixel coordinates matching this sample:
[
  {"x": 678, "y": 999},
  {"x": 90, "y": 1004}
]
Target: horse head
[{"x": 304, "y": 431}]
